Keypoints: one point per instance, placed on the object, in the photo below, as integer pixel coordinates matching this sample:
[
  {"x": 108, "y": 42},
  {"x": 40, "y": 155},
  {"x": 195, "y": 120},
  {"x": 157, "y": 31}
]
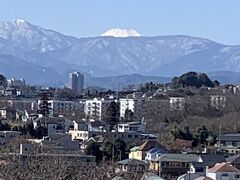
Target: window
[
  {"x": 224, "y": 175},
  {"x": 237, "y": 176}
]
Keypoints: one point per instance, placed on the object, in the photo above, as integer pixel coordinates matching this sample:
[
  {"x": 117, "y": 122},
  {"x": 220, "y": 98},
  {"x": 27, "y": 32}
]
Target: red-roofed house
[{"x": 223, "y": 171}]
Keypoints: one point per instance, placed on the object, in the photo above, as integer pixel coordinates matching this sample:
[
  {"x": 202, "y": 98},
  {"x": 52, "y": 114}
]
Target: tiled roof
[
  {"x": 229, "y": 137},
  {"x": 178, "y": 157},
  {"x": 135, "y": 162},
  {"x": 203, "y": 178},
  {"x": 8, "y": 108},
  {"x": 223, "y": 167},
  {"x": 215, "y": 158},
  {"x": 156, "y": 150},
  {"x": 148, "y": 144},
  {"x": 50, "y": 120},
  {"x": 151, "y": 176},
  {"x": 97, "y": 123},
  {"x": 57, "y": 136},
  {"x": 233, "y": 159},
  {"x": 135, "y": 148}
]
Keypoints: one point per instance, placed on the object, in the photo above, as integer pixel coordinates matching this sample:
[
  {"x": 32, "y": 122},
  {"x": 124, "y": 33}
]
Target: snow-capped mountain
[
  {"x": 118, "y": 32},
  {"x": 34, "y": 37},
  {"x": 32, "y": 47}
]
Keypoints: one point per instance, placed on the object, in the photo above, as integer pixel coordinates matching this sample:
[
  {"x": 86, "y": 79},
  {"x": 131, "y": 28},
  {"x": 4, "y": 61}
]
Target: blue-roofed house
[
  {"x": 152, "y": 157},
  {"x": 154, "y": 153}
]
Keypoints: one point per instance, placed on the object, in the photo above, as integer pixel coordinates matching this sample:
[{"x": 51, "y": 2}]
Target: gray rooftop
[{"x": 178, "y": 157}]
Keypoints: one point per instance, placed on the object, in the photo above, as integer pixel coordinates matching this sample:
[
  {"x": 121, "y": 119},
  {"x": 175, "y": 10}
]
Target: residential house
[
  {"x": 131, "y": 127},
  {"x": 6, "y": 136},
  {"x": 8, "y": 113},
  {"x": 53, "y": 124},
  {"x": 223, "y": 171},
  {"x": 11, "y": 92},
  {"x": 58, "y": 143},
  {"x": 140, "y": 152},
  {"x": 183, "y": 144},
  {"x": 97, "y": 140},
  {"x": 151, "y": 176},
  {"x": 234, "y": 161},
  {"x": 152, "y": 157},
  {"x": 199, "y": 168},
  {"x": 98, "y": 126},
  {"x": 229, "y": 143},
  {"x": 174, "y": 165},
  {"x": 131, "y": 165},
  {"x": 80, "y": 130}
]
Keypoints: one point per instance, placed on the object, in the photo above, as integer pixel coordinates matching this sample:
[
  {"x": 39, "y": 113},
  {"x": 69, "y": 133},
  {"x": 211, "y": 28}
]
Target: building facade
[{"x": 76, "y": 82}]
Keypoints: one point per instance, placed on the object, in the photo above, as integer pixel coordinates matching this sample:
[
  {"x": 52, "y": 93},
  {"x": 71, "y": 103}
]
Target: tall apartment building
[
  {"x": 59, "y": 107},
  {"x": 96, "y": 108},
  {"x": 76, "y": 82}
]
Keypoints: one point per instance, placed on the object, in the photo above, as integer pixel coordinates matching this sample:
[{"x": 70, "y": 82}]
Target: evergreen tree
[
  {"x": 112, "y": 114},
  {"x": 128, "y": 116},
  {"x": 44, "y": 106}
]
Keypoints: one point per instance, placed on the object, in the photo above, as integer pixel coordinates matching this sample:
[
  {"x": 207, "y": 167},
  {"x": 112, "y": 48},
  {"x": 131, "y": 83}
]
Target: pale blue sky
[{"x": 218, "y": 20}]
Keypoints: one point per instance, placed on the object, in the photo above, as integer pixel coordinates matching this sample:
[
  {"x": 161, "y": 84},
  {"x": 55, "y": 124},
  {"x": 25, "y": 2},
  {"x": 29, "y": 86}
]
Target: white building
[
  {"x": 17, "y": 83},
  {"x": 223, "y": 171},
  {"x": 96, "y": 108},
  {"x": 79, "y": 131},
  {"x": 59, "y": 107},
  {"x": 218, "y": 101},
  {"x": 53, "y": 124},
  {"x": 131, "y": 127},
  {"x": 177, "y": 103},
  {"x": 125, "y": 104},
  {"x": 76, "y": 82}
]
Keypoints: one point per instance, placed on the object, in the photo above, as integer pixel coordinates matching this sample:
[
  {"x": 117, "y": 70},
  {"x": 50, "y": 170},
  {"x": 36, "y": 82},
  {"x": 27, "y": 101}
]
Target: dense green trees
[
  {"x": 109, "y": 150},
  {"x": 112, "y": 113},
  {"x": 192, "y": 79},
  {"x": 44, "y": 106},
  {"x": 3, "y": 81},
  {"x": 93, "y": 148},
  {"x": 199, "y": 138},
  {"x": 128, "y": 116}
]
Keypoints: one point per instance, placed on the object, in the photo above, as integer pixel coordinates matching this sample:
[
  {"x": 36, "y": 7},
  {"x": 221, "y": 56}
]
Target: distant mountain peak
[
  {"x": 34, "y": 37},
  {"x": 118, "y": 32},
  {"x": 20, "y": 21}
]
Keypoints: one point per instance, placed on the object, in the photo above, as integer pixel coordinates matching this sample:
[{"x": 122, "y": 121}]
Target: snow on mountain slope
[
  {"x": 111, "y": 54},
  {"x": 118, "y": 32},
  {"x": 34, "y": 37},
  {"x": 134, "y": 55}
]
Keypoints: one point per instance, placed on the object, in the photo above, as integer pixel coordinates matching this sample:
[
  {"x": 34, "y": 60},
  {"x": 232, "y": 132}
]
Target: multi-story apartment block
[
  {"x": 177, "y": 103},
  {"x": 218, "y": 101},
  {"x": 59, "y": 107},
  {"x": 142, "y": 107},
  {"x": 96, "y": 108},
  {"x": 130, "y": 104}
]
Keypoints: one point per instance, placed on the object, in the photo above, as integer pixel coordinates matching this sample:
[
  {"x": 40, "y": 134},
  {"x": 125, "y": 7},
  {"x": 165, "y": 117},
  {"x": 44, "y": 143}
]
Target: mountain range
[{"x": 43, "y": 56}]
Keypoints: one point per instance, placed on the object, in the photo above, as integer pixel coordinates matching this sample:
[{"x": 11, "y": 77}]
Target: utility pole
[
  {"x": 219, "y": 136},
  {"x": 113, "y": 149}
]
